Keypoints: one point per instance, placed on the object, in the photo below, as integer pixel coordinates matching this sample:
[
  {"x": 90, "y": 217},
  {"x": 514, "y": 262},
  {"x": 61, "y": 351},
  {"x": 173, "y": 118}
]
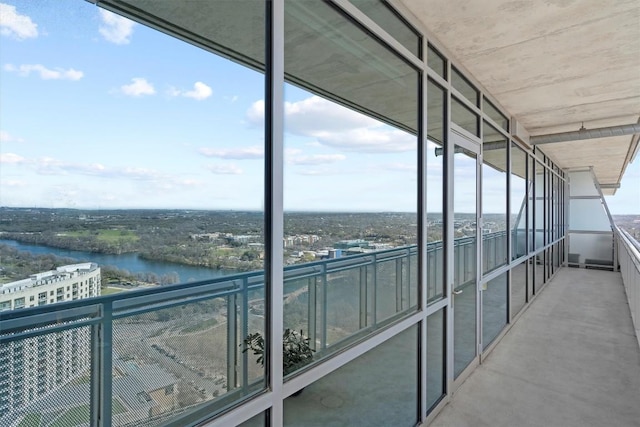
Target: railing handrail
[{"x": 631, "y": 244}]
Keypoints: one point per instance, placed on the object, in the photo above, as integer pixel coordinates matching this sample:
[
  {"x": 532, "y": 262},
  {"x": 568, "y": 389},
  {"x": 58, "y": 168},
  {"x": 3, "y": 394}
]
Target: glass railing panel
[
  {"x": 178, "y": 355},
  {"x": 342, "y": 292},
  {"x": 300, "y": 305},
  {"x": 45, "y": 367}
]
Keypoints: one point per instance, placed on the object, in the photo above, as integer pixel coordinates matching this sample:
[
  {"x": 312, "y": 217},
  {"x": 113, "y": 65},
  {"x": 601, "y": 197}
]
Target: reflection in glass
[
  {"x": 379, "y": 388},
  {"x": 500, "y": 119},
  {"x": 464, "y": 275},
  {"x": 350, "y": 180},
  {"x": 464, "y": 117},
  {"x": 435, "y": 357},
  {"x": 494, "y": 199},
  {"x": 518, "y": 288},
  {"x": 518, "y": 208},
  {"x": 462, "y": 85},
  {"x": 390, "y": 21},
  {"x": 494, "y": 308},
  {"x": 436, "y": 62}
]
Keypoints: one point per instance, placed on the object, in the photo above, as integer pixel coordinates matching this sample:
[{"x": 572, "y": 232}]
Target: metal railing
[
  {"x": 170, "y": 355},
  {"x": 629, "y": 261}
]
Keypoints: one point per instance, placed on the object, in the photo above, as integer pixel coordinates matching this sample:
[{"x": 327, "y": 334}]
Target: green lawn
[
  {"x": 200, "y": 326},
  {"x": 109, "y": 236},
  {"x": 30, "y": 420},
  {"x": 80, "y": 415},
  {"x": 109, "y": 291}
]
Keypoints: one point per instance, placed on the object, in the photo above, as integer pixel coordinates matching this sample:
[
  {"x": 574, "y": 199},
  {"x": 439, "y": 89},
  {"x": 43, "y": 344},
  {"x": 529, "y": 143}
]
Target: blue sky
[{"x": 99, "y": 112}]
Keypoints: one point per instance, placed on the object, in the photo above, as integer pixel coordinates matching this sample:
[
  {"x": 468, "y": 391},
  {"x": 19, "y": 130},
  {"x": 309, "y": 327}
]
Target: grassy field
[
  {"x": 108, "y": 236},
  {"x": 109, "y": 291},
  {"x": 30, "y": 420},
  {"x": 80, "y": 415}
]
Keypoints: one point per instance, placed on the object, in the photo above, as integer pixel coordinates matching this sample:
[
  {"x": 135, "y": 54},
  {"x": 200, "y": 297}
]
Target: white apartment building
[{"x": 33, "y": 367}]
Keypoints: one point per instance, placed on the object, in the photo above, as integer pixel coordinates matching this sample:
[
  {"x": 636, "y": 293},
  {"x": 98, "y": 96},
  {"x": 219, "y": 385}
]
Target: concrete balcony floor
[{"x": 572, "y": 359}]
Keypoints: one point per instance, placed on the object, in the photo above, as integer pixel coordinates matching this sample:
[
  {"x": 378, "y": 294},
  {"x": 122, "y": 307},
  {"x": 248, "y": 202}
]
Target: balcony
[{"x": 188, "y": 337}]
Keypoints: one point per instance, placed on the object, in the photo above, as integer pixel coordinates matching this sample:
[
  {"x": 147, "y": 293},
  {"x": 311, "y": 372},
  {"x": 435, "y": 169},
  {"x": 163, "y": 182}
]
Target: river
[{"x": 130, "y": 262}]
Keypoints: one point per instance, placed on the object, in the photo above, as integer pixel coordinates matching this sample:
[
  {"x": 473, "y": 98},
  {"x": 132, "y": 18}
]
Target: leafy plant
[{"x": 296, "y": 351}]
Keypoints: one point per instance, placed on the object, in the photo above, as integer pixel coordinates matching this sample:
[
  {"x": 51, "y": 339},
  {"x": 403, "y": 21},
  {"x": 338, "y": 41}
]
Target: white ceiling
[{"x": 553, "y": 65}]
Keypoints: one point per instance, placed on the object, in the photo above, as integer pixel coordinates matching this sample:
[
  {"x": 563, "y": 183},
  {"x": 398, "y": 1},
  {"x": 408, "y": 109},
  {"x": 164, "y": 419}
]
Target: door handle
[{"x": 456, "y": 292}]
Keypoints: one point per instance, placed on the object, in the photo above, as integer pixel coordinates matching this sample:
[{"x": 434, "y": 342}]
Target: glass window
[
  {"x": 518, "y": 208},
  {"x": 462, "y": 85},
  {"x": 518, "y": 288},
  {"x": 435, "y": 200},
  {"x": 494, "y": 199},
  {"x": 435, "y": 358},
  {"x": 495, "y": 115},
  {"x": 350, "y": 181},
  {"x": 464, "y": 117},
  {"x": 540, "y": 205},
  {"x": 390, "y": 21},
  {"x": 436, "y": 62},
  {"x": 494, "y": 308},
  {"x": 154, "y": 146},
  {"x": 372, "y": 390}
]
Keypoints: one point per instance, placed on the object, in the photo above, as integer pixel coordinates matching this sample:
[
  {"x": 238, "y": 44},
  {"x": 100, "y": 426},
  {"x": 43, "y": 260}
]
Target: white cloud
[
  {"x": 229, "y": 169},
  {"x": 336, "y": 126},
  {"x": 200, "y": 91},
  {"x": 316, "y": 159},
  {"x": 115, "y": 28},
  {"x": 14, "y": 183},
  {"x": 401, "y": 167},
  {"x": 14, "y": 25},
  {"x": 138, "y": 87},
  {"x": 45, "y": 73},
  {"x": 11, "y": 158},
  {"x": 6, "y": 137},
  {"x": 255, "y": 152},
  {"x": 366, "y": 140}
]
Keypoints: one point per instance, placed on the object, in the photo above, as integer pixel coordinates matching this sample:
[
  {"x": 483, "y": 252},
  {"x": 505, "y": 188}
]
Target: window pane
[
  {"x": 435, "y": 200},
  {"x": 464, "y": 117},
  {"x": 436, "y": 62},
  {"x": 373, "y": 390},
  {"x": 350, "y": 185},
  {"x": 462, "y": 85},
  {"x": 145, "y": 151},
  {"x": 494, "y": 308},
  {"x": 435, "y": 358},
  {"x": 382, "y": 14},
  {"x": 329, "y": 55},
  {"x": 494, "y": 199},
  {"x": 518, "y": 209}
]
